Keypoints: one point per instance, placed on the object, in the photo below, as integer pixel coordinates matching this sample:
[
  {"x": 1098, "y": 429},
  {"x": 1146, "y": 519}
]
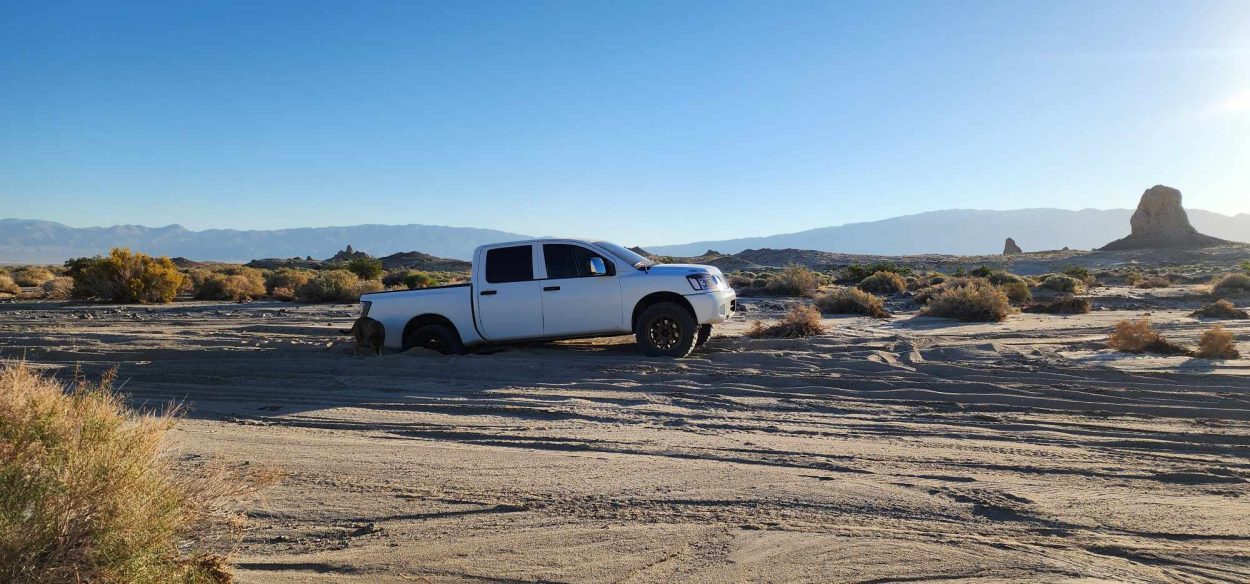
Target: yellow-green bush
[
  {"x": 231, "y": 287},
  {"x": 32, "y": 275},
  {"x": 89, "y": 493},
  {"x": 8, "y": 286},
  {"x": 1062, "y": 283},
  {"x": 884, "y": 283},
  {"x": 125, "y": 276},
  {"x": 1017, "y": 291},
  {"x": 852, "y": 301},
  {"x": 417, "y": 279},
  {"x": 794, "y": 280},
  {"x": 968, "y": 299},
  {"x": 336, "y": 286},
  {"x": 289, "y": 278}
]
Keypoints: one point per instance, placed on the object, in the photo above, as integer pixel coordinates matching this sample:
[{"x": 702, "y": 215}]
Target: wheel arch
[
  {"x": 423, "y": 319},
  {"x": 657, "y": 297}
]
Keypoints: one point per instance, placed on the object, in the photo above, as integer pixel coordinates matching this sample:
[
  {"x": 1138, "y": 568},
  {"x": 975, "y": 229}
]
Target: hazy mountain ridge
[
  {"x": 35, "y": 241},
  {"x": 966, "y": 232}
]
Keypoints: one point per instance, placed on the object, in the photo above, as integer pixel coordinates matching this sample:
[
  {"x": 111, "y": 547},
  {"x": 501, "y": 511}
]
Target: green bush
[
  {"x": 1017, "y": 292},
  {"x": 859, "y": 272},
  {"x": 125, "y": 276},
  {"x": 1062, "y": 283},
  {"x": 366, "y": 268},
  {"x": 884, "y": 283},
  {"x": 336, "y": 286},
  {"x": 794, "y": 280},
  {"x": 1061, "y": 305},
  {"x": 852, "y": 301},
  {"x": 89, "y": 491},
  {"x": 417, "y": 279},
  {"x": 1079, "y": 273},
  {"x": 968, "y": 299}
]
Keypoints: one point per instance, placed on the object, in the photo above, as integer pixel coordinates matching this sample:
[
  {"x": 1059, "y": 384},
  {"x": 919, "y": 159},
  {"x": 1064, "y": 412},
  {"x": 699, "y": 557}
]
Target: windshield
[{"x": 624, "y": 254}]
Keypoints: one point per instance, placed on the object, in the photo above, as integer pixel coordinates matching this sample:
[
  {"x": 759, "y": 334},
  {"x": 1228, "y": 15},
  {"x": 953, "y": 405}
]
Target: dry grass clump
[
  {"x": 1217, "y": 343},
  {"x": 58, "y": 288},
  {"x": 336, "y": 286},
  {"x": 235, "y": 283},
  {"x": 969, "y": 300},
  {"x": 802, "y": 321},
  {"x": 1137, "y": 336},
  {"x": 32, "y": 275},
  {"x": 288, "y": 278},
  {"x": 794, "y": 280},
  {"x": 125, "y": 276},
  {"x": 8, "y": 286},
  {"x": 89, "y": 493},
  {"x": 1220, "y": 309},
  {"x": 852, "y": 301},
  {"x": 1153, "y": 281},
  {"x": 1061, "y": 305},
  {"x": 1062, "y": 283},
  {"x": 884, "y": 283},
  {"x": 1231, "y": 283}
]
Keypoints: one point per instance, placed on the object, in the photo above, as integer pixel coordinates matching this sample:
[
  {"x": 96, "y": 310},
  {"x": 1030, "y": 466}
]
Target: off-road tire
[
  {"x": 705, "y": 333},
  {"x": 436, "y": 337},
  {"x": 666, "y": 329}
]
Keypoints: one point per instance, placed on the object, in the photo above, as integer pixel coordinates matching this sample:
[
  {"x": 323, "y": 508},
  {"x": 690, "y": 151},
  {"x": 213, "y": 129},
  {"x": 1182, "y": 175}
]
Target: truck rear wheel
[
  {"x": 436, "y": 337},
  {"x": 666, "y": 329}
]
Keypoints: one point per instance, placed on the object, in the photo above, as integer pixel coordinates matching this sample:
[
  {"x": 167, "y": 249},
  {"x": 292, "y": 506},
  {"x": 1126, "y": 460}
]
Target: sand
[{"x": 900, "y": 450}]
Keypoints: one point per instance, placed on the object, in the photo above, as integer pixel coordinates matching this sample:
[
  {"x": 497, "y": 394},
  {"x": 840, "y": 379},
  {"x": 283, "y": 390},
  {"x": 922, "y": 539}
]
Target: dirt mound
[{"x": 1161, "y": 223}]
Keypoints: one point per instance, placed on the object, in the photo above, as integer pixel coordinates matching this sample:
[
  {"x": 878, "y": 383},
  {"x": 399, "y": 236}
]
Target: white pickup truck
[{"x": 557, "y": 289}]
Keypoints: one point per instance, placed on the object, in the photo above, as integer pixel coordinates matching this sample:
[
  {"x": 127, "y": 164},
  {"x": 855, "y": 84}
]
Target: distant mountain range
[
  {"x": 957, "y": 232},
  {"x": 966, "y": 232},
  {"x": 29, "y": 241}
]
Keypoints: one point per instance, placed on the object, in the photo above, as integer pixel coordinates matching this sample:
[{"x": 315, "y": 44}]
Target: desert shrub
[
  {"x": 1000, "y": 277},
  {"x": 1217, "y": 343},
  {"x": 883, "y": 283},
  {"x": 231, "y": 287},
  {"x": 58, "y": 288},
  {"x": 8, "y": 286},
  {"x": 416, "y": 279},
  {"x": 125, "y": 276},
  {"x": 32, "y": 276},
  {"x": 760, "y": 283},
  {"x": 1153, "y": 281},
  {"x": 1220, "y": 309},
  {"x": 1137, "y": 336},
  {"x": 1245, "y": 266},
  {"x": 801, "y": 321},
  {"x": 289, "y": 278},
  {"x": 860, "y": 272},
  {"x": 794, "y": 280},
  {"x": 336, "y": 286},
  {"x": 968, "y": 299},
  {"x": 1062, "y": 283},
  {"x": 1017, "y": 292},
  {"x": 365, "y": 268},
  {"x": 1079, "y": 274},
  {"x": 90, "y": 493},
  {"x": 849, "y": 300},
  {"x": 937, "y": 279},
  {"x": 741, "y": 280},
  {"x": 1231, "y": 283},
  {"x": 282, "y": 293},
  {"x": 1061, "y": 305}
]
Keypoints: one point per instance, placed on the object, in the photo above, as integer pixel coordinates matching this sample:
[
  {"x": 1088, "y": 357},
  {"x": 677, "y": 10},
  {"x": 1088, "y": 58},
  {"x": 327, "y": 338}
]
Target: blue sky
[{"x": 644, "y": 122}]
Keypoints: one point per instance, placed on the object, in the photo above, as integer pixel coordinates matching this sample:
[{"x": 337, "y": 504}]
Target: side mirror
[{"x": 597, "y": 268}]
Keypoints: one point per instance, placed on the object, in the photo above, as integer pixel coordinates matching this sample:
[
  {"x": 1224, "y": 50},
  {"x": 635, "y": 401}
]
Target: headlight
[
  {"x": 365, "y": 305},
  {"x": 705, "y": 282}
]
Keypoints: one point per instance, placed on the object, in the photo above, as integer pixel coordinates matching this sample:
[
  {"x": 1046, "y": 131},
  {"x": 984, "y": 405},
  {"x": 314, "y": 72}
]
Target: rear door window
[{"x": 510, "y": 264}]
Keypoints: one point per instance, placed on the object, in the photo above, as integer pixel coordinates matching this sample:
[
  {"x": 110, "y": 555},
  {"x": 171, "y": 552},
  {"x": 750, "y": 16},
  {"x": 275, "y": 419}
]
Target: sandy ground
[{"x": 904, "y": 450}]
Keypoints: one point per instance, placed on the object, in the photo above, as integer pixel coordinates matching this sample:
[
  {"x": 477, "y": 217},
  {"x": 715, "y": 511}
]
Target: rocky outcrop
[
  {"x": 348, "y": 255},
  {"x": 1161, "y": 223},
  {"x": 1010, "y": 248}
]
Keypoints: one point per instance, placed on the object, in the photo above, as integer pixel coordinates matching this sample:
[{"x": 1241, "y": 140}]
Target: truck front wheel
[
  {"x": 666, "y": 329},
  {"x": 436, "y": 337}
]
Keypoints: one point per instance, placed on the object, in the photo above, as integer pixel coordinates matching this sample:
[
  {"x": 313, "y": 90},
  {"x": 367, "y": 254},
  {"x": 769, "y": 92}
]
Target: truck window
[
  {"x": 510, "y": 264},
  {"x": 570, "y": 261}
]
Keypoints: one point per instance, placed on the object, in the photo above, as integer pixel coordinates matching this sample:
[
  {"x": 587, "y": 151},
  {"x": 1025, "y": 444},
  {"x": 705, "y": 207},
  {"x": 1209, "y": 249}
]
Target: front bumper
[{"x": 713, "y": 307}]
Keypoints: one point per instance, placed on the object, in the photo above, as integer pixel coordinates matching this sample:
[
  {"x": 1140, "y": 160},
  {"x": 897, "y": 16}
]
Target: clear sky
[{"x": 644, "y": 122}]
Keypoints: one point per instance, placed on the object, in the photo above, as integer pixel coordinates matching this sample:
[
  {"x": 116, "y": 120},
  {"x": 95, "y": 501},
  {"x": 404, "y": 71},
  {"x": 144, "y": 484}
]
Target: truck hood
[{"x": 682, "y": 269}]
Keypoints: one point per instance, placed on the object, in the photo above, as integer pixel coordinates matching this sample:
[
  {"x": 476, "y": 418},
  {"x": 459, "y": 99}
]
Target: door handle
[
  {"x": 488, "y": 292},
  {"x": 550, "y": 288}
]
